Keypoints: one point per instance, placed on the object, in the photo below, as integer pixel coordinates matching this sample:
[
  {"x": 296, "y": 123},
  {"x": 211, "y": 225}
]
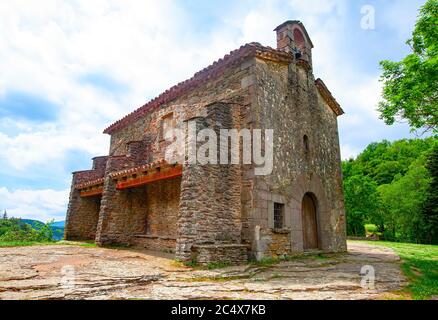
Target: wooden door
[{"x": 310, "y": 229}]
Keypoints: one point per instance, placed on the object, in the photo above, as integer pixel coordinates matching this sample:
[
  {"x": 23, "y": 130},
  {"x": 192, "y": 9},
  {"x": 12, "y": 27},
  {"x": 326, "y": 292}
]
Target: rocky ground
[{"x": 75, "y": 272}]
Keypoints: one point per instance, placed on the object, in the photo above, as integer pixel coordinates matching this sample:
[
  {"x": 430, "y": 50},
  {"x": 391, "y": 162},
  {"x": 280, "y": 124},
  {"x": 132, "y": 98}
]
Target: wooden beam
[
  {"x": 163, "y": 174},
  {"x": 92, "y": 192}
]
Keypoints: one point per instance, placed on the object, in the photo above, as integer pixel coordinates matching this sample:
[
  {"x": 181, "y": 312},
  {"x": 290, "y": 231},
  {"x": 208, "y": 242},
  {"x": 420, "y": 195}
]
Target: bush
[{"x": 371, "y": 228}]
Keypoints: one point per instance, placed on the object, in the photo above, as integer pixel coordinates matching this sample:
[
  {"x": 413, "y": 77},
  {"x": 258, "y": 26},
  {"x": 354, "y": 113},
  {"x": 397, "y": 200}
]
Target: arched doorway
[{"x": 310, "y": 226}]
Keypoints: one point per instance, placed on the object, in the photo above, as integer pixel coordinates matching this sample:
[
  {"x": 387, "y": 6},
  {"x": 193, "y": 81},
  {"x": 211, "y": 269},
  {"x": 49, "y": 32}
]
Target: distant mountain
[
  {"x": 57, "y": 227},
  {"x": 59, "y": 224},
  {"x": 33, "y": 223}
]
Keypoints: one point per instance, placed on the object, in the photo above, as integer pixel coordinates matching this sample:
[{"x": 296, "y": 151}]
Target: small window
[
  {"x": 306, "y": 144},
  {"x": 278, "y": 215},
  {"x": 167, "y": 124}
]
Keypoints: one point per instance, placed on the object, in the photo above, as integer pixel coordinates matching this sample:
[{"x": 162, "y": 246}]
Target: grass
[
  {"x": 88, "y": 245},
  {"x": 218, "y": 265},
  {"x": 210, "y": 266},
  {"x": 420, "y": 266},
  {"x": 54, "y": 243},
  {"x": 267, "y": 262},
  {"x": 23, "y": 243},
  {"x": 116, "y": 246},
  {"x": 214, "y": 278}
]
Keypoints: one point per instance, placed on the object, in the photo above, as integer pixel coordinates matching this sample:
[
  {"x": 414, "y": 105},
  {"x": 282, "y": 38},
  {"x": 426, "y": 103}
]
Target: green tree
[
  {"x": 410, "y": 87},
  {"x": 361, "y": 201},
  {"x": 5, "y": 215},
  {"x": 15, "y": 230},
  {"x": 46, "y": 232},
  {"x": 384, "y": 160},
  {"x": 402, "y": 204},
  {"x": 430, "y": 211},
  {"x": 404, "y": 184},
  {"x": 385, "y": 171}
]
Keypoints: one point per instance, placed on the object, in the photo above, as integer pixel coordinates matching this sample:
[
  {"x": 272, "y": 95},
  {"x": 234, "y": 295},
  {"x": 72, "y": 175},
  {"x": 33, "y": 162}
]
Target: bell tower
[{"x": 292, "y": 37}]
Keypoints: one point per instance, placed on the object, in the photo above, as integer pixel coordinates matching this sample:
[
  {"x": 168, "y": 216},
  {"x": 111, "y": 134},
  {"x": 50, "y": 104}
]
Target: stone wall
[
  {"x": 163, "y": 199},
  {"x": 147, "y": 210},
  {"x": 99, "y": 164},
  {"x": 221, "y": 253},
  {"x": 82, "y": 218},
  {"x": 235, "y": 87},
  {"x": 107, "y": 230},
  {"x": 127, "y": 216},
  {"x": 269, "y": 242},
  {"x": 155, "y": 243},
  {"x": 288, "y": 102},
  {"x": 83, "y": 213},
  {"x": 210, "y": 208}
]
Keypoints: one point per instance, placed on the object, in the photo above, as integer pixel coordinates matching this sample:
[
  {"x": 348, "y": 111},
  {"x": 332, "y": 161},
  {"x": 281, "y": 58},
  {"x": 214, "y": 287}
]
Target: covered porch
[{"x": 146, "y": 205}]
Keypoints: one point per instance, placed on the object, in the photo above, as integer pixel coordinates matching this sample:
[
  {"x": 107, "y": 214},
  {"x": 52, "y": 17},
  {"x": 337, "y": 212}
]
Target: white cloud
[
  {"x": 41, "y": 205},
  {"x": 317, "y": 7},
  {"x": 47, "y": 46},
  {"x": 348, "y": 152},
  {"x": 48, "y": 144},
  {"x": 400, "y": 16},
  {"x": 45, "y": 49}
]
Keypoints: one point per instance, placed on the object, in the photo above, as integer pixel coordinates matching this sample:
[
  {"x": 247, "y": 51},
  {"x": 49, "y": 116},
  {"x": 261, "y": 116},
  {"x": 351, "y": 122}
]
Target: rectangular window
[
  {"x": 167, "y": 123},
  {"x": 147, "y": 226},
  {"x": 278, "y": 215}
]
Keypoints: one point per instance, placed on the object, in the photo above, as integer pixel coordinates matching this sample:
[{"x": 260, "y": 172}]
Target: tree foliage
[
  {"x": 430, "y": 210},
  {"x": 403, "y": 202},
  {"x": 392, "y": 185},
  {"x": 361, "y": 200},
  {"x": 410, "y": 86},
  {"x": 15, "y": 230}
]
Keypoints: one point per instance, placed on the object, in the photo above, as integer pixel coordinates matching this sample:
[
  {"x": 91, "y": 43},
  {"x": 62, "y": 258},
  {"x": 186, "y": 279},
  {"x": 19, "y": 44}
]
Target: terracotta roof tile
[
  {"x": 89, "y": 183},
  {"x": 138, "y": 169}
]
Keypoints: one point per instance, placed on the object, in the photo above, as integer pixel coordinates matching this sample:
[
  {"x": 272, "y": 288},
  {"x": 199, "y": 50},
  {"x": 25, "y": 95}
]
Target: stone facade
[{"x": 223, "y": 212}]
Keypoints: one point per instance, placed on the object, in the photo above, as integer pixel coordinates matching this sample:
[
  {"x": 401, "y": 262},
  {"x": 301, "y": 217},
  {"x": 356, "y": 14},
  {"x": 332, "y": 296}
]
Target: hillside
[
  {"x": 57, "y": 227},
  {"x": 58, "y": 224},
  {"x": 18, "y": 224}
]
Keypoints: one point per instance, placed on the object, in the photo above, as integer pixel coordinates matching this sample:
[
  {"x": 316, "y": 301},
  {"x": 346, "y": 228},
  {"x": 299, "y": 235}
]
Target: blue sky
[{"x": 70, "y": 68}]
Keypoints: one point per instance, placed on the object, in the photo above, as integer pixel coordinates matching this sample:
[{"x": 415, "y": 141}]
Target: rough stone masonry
[{"x": 223, "y": 212}]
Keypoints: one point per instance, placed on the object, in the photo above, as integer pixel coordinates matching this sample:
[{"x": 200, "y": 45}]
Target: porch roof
[
  {"x": 88, "y": 184},
  {"x": 138, "y": 169},
  {"x": 144, "y": 174},
  {"x": 91, "y": 188}
]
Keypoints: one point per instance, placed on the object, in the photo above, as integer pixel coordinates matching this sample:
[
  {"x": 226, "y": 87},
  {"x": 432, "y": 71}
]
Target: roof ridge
[{"x": 210, "y": 71}]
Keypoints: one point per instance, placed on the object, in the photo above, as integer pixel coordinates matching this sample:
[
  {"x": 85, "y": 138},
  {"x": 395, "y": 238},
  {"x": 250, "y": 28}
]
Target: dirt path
[{"x": 74, "y": 272}]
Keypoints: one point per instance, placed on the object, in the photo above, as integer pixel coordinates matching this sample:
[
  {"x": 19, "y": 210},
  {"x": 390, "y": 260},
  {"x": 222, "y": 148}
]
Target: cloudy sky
[{"x": 70, "y": 68}]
